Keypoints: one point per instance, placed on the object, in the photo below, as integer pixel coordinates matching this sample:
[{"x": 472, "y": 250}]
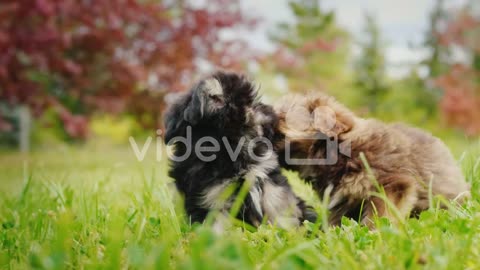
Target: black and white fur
[{"x": 225, "y": 106}]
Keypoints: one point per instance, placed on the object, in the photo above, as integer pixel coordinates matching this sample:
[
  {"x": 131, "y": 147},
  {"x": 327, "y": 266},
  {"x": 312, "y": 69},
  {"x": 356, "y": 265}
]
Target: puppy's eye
[{"x": 216, "y": 98}]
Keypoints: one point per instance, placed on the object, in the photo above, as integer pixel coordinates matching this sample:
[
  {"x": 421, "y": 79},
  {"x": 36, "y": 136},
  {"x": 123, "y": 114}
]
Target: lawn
[{"x": 99, "y": 208}]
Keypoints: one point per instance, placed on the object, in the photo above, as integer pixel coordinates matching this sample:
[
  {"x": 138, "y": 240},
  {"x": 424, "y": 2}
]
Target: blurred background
[{"x": 80, "y": 72}]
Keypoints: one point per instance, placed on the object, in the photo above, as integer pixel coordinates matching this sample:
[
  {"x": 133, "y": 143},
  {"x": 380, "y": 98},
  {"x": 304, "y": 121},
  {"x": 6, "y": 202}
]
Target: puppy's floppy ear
[
  {"x": 195, "y": 109},
  {"x": 174, "y": 120},
  {"x": 331, "y": 123},
  {"x": 172, "y": 124},
  {"x": 207, "y": 97}
]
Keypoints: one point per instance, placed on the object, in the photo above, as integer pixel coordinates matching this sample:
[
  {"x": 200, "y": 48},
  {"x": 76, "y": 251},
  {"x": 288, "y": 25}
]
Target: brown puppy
[{"x": 323, "y": 140}]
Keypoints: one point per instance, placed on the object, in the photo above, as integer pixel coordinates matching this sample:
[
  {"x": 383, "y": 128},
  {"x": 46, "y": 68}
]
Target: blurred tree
[
  {"x": 312, "y": 51},
  {"x": 422, "y": 93},
  {"x": 438, "y": 58},
  {"x": 80, "y": 57},
  {"x": 409, "y": 101},
  {"x": 370, "y": 67},
  {"x": 460, "y": 103}
]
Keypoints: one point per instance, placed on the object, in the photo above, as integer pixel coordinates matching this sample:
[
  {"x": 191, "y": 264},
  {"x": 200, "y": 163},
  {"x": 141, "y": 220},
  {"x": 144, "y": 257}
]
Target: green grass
[{"x": 73, "y": 208}]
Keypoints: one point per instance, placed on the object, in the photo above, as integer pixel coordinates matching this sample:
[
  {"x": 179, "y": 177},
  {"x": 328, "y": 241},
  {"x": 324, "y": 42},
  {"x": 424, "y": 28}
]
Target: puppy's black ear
[
  {"x": 174, "y": 118},
  {"x": 195, "y": 109},
  {"x": 173, "y": 125},
  {"x": 207, "y": 98}
]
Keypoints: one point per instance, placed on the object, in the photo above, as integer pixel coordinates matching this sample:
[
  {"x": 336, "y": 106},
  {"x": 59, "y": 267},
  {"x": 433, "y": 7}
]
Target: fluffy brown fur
[{"x": 404, "y": 160}]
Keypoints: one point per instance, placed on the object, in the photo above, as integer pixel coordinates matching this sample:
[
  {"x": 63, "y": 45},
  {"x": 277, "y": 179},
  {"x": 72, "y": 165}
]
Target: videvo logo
[{"x": 206, "y": 148}]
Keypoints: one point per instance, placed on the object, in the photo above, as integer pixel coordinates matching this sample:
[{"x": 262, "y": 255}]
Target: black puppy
[{"x": 221, "y": 135}]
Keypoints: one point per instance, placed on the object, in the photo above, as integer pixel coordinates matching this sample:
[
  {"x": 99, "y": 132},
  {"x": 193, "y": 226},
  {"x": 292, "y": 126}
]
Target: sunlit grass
[{"x": 83, "y": 208}]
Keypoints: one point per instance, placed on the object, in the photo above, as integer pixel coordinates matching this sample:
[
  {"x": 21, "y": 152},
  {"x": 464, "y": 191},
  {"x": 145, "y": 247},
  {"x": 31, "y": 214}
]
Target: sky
[{"x": 402, "y": 22}]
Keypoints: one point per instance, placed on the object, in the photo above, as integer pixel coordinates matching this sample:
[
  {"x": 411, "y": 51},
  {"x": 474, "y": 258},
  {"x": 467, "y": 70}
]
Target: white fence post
[{"x": 24, "y": 128}]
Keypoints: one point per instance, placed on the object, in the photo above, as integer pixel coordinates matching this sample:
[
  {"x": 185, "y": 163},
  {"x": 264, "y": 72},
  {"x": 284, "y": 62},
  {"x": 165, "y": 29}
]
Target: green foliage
[
  {"x": 437, "y": 61},
  {"x": 370, "y": 72},
  {"x": 311, "y": 22},
  {"x": 10, "y": 121},
  {"x": 114, "y": 129},
  {"x": 409, "y": 101},
  {"x": 365, "y": 88},
  {"x": 101, "y": 209},
  {"x": 313, "y": 50}
]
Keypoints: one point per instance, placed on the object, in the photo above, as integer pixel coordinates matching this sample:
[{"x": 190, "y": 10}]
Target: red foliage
[
  {"x": 5, "y": 125},
  {"x": 85, "y": 56},
  {"x": 460, "y": 104},
  {"x": 284, "y": 59},
  {"x": 462, "y": 31},
  {"x": 75, "y": 125},
  {"x": 319, "y": 44},
  {"x": 288, "y": 59}
]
